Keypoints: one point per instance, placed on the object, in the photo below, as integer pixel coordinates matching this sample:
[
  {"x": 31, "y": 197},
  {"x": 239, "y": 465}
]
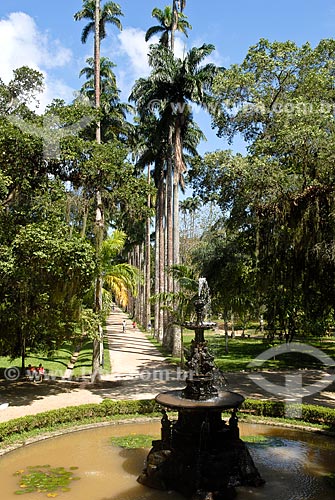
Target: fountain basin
[
  {"x": 176, "y": 400},
  {"x": 294, "y": 463},
  {"x": 200, "y": 455},
  {"x": 205, "y": 325}
]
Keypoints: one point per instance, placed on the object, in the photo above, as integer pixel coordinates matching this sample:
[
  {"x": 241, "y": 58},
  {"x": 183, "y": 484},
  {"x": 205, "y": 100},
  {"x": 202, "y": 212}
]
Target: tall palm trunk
[
  {"x": 174, "y": 23},
  {"x": 138, "y": 304},
  {"x": 177, "y": 6},
  {"x": 85, "y": 210},
  {"x": 179, "y": 168},
  {"x": 159, "y": 254},
  {"x": 97, "y": 66},
  {"x": 176, "y": 331},
  {"x": 141, "y": 286},
  {"x": 167, "y": 339},
  {"x": 99, "y": 218},
  {"x": 178, "y": 172},
  {"x": 156, "y": 307},
  {"x": 147, "y": 281}
]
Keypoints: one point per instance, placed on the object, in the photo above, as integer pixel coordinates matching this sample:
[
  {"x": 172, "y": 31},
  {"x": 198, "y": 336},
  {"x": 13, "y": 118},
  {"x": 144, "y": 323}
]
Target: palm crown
[
  {"x": 165, "y": 18},
  {"x": 109, "y": 13}
]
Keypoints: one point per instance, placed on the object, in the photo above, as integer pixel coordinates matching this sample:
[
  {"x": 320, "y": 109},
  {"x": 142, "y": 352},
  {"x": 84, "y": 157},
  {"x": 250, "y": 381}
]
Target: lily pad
[
  {"x": 133, "y": 441},
  {"x": 45, "y": 479}
]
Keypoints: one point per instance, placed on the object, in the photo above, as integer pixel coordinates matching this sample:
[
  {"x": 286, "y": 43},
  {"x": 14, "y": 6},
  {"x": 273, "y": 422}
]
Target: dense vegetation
[
  {"x": 80, "y": 185},
  {"x": 274, "y": 246}
]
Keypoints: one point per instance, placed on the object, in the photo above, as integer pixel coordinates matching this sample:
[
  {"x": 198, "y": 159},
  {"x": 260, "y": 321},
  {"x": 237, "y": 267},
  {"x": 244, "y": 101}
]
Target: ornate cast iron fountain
[{"x": 200, "y": 455}]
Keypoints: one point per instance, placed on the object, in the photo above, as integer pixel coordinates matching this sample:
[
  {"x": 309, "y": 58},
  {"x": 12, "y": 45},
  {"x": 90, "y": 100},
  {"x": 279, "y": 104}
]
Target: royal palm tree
[
  {"x": 176, "y": 84},
  {"x": 107, "y": 76},
  {"x": 166, "y": 25},
  {"x": 113, "y": 112},
  {"x": 98, "y": 18}
]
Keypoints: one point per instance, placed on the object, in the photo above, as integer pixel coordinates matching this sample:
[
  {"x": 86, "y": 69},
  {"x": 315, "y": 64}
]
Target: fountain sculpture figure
[{"x": 199, "y": 454}]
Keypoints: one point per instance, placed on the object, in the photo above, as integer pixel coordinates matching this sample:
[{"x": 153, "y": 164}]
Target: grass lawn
[
  {"x": 56, "y": 364},
  {"x": 241, "y": 351},
  {"x": 83, "y": 365}
]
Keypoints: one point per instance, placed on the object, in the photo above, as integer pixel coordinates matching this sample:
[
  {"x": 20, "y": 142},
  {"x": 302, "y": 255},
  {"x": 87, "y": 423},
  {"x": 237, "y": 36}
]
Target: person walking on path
[{"x": 124, "y": 326}]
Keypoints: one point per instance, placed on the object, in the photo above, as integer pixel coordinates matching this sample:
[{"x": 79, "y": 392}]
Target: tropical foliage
[
  {"x": 89, "y": 203},
  {"x": 278, "y": 199}
]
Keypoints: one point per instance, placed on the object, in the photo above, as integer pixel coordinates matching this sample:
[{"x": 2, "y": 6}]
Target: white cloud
[
  {"x": 180, "y": 47},
  {"x": 132, "y": 58},
  {"x": 133, "y": 44},
  {"x": 26, "y": 45}
]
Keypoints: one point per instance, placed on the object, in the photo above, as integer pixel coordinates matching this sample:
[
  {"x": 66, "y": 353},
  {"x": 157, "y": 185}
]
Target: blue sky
[{"x": 43, "y": 35}]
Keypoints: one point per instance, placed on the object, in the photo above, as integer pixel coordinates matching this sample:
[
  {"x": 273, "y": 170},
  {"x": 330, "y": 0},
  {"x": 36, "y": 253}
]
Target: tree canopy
[{"x": 280, "y": 196}]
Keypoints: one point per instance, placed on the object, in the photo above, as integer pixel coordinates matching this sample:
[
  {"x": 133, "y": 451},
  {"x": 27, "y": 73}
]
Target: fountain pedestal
[{"x": 200, "y": 455}]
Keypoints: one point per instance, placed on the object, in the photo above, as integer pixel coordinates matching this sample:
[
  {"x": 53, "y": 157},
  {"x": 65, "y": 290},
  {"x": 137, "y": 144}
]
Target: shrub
[
  {"x": 76, "y": 414},
  {"x": 277, "y": 409},
  {"x": 109, "y": 408}
]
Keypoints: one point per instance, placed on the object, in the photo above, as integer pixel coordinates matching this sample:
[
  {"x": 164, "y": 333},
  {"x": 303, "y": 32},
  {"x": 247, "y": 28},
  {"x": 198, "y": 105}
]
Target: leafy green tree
[
  {"x": 22, "y": 90},
  {"x": 280, "y": 196},
  {"x": 225, "y": 259},
  {"x": 180, "y": 304},
  {"x": 21, "y": 162},
  {"x": 45, "y": 273}
]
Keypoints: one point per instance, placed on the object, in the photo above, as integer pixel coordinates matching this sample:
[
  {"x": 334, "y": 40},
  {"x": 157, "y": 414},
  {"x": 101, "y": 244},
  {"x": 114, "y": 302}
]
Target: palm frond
[{"x": 153, "y": 31}]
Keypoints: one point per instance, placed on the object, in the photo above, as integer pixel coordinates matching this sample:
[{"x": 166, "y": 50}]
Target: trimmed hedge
[
  {"x": 76, "y": 414},
  {"x": 109, "y": 408},
  {"x": 278, "y": 409}
]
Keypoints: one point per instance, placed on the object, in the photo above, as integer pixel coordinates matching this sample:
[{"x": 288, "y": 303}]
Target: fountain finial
[{"x": 199, "y": 384}]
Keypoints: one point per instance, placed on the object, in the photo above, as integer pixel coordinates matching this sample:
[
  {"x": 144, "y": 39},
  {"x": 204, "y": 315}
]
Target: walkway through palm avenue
[
  {"x": 136, "y": 362},
  {"x": 138, "y": 371}
]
